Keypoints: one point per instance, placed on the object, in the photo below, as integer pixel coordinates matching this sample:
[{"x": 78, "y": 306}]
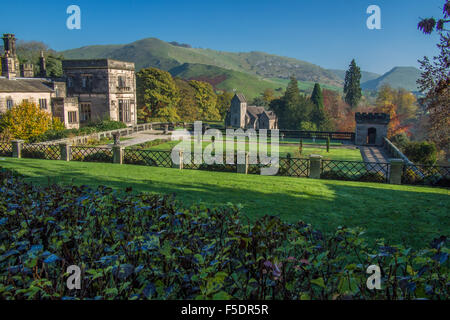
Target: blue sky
[{"x": 328, "y": 33}]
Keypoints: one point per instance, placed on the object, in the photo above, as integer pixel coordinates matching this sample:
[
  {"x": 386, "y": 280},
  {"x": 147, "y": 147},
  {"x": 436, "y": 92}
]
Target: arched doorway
[{"x": 371, "y": 136}]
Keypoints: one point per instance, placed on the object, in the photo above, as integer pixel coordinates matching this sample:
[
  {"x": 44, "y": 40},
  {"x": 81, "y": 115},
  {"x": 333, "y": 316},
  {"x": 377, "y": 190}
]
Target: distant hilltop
[{"x": 225, "y": 70}]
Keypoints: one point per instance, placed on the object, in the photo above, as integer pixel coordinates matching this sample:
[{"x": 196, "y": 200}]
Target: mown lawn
[
  {"x": 335, "y": 153},
  {"x": 400, "y": 214}
]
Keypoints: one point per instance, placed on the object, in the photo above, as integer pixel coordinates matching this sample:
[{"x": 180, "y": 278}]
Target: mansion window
[
  {"x": 124, "y": 111},
  {"x": 86, "y": 81},
  {"x": 70, "y": 82},
  {"x": 72, "y": 116},
  {"x": 85, "y": 114},
  {"x": 9, "y": 104},
  {"x": 43, "y": 103},
  {"x": 122, "y": 82}
]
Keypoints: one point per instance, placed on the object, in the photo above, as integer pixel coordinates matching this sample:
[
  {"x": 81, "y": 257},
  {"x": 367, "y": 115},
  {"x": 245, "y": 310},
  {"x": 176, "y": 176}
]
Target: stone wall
[
  {"x": 61, "y": 108},
  {"x": 18, "y": 97},
  {"x": 362, "y": 129},
  {"x": 103, "y": 90}
]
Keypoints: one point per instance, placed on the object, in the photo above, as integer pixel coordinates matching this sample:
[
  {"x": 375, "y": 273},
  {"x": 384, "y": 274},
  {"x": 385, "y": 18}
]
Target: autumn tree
[
  {"x": 268, "y": 95},
  {"x": 206, "y": 100},
  {"x": 434, "y": 82},
  {"x": 157, "y": 95},
  {"x": 26, "y": 121},
  {"x": 352, "y": 85},
  {"x": 394, "y": 126},
  {"x": 404, "y": 106},
  {"x": 187, "y": 106},
  {"x": 341, "y": 117},
  {"x": 224, "y": 102}
]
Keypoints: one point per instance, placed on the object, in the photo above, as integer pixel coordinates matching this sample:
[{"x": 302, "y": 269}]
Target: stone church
[
  {"x": 89, "y": 90},
  {"x": 249, "y": 117}
]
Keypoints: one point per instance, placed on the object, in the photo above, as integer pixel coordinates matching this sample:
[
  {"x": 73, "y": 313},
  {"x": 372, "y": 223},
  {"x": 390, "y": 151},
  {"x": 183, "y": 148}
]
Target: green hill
[
  {"x": 398, "y": 77},
  {"x": 153, "y": 52},
  {"x": 249, "y": 72},
  {"x": 225, "y": 79}
]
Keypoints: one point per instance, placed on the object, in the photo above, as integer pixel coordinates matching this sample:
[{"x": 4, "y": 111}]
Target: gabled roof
[
  {"x": 270, "y": 114},
  {"x": 241, "y": 97},
  {"x": 24, "y": 85},
  {"x": 255, "y": 111}
]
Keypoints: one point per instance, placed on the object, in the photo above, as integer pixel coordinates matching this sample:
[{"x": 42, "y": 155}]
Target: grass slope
[
  {"x": 398, "y": 77},
  {"x": 401, "y": 214},
  {"x": 225, "y": 79}
]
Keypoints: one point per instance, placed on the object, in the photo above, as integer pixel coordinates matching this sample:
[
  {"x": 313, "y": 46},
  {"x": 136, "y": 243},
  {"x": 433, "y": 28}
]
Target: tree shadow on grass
[{"x": 410, "y": 217}]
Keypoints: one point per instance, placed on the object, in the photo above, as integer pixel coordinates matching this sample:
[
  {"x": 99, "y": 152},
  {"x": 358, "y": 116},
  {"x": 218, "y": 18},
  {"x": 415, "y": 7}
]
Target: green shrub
[
  {"x": 129, "y": 159},
  {"x": 144, "y": 246},
  {"x": 366, "y": 176},
  {"x": 333, "y": 175},
  {"x": 105, "y": 125},
  {"x": 150, "y": 144},
  {"x": 371, "y": 177},
  {"x": 400, "y": 140},
  {"x": 99, "y": 156},
  {"x": 33, "y": 154},
  {"x": 421, "y": 152}
]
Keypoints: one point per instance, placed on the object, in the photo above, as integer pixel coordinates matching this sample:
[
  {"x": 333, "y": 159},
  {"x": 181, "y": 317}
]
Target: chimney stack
[
  {"x": 42, "y": 66},
  {"x": 26, "y": 70},
  {"x": 10, "y": 62}
]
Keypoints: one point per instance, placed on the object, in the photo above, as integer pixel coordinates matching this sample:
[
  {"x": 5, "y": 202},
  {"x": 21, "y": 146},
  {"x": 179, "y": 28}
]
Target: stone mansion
[{"x": 89, "y": 90}]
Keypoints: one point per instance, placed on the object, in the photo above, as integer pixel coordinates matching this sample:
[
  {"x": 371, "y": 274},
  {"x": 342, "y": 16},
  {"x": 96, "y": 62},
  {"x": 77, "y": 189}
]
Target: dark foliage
[
  {"x": 147, "y": 247},
  {"x": 421, "y": 152}
]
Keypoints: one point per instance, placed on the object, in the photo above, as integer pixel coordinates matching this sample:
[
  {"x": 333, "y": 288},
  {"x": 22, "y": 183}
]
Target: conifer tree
[
  {"x": 352, "y": 85},
  {"x": 318, "y": 113}
]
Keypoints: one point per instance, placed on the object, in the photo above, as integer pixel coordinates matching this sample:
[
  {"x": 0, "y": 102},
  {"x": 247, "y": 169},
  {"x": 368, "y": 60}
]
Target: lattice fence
[
  {"x": 92, "y": 154},
  {"x": 148, "y": 158},
  {"x": 41, "y": 151},
  {"x": 5, "y": 149},
  {"x": 190, "y": 163},
  {"x": 355, "y": 171},
  {"x": 426, "y": 175},
  {"x": 294, "y": 167}
]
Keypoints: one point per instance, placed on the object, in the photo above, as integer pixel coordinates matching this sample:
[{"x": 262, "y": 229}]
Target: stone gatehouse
[{"x": 371, "y": 128}]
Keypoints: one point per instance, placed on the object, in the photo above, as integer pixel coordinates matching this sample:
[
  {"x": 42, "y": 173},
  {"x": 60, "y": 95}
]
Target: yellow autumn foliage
[{"x": 25, "y": 121}]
